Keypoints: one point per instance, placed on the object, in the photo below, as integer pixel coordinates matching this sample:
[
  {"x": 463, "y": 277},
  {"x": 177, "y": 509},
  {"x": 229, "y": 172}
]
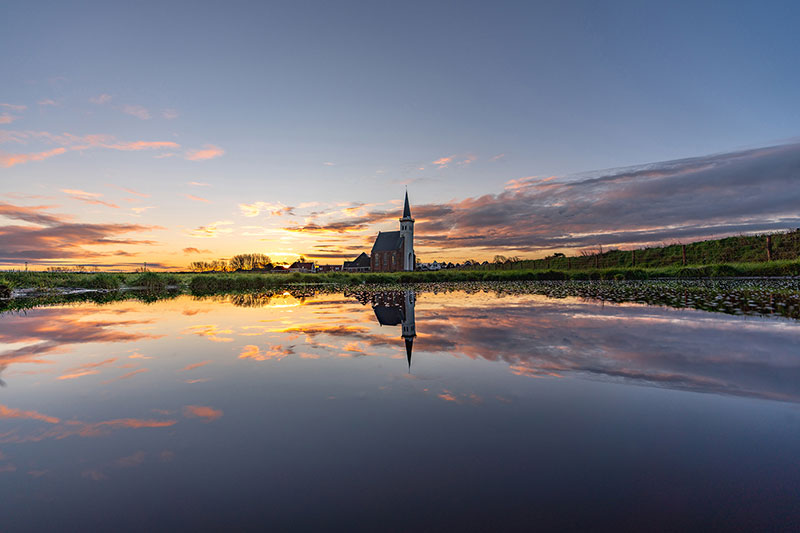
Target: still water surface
[{"x": 397, "y": 411}]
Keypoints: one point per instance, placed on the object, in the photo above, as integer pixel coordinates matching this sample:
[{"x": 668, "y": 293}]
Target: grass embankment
[
  {"x": 211, "y": 283},
  {"x": 152, "y": 281},
  {"x": 730, "y": 250},
  {"x": 245, "y": 282}
]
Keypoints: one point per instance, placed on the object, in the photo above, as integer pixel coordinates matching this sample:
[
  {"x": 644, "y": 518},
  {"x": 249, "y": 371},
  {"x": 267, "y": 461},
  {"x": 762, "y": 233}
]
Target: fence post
[
  {"x": 769, "y": 247},
  {"x": 683, "y": 253},
  {"x": 569, "y": 263},
  {"x": 633, "y": 257}
]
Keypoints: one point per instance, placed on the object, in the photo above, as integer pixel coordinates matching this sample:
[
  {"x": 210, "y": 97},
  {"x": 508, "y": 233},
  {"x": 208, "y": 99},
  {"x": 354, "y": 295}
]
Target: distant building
[
  {"x": 394, "y": 250},
  {"x": 359, "y": 264},
  {"x": 328, "y": 268},
  {"x": 302, "y": 266}
]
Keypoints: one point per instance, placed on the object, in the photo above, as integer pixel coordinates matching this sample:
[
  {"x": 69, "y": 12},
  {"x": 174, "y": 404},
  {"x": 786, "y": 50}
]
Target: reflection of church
[{"x": 397, "y": 308}]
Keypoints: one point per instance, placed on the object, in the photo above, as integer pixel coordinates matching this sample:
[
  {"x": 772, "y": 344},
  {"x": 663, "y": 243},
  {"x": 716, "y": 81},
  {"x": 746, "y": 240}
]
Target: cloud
[
  {"x": 88, "y": 197},
  {"x": 47, "y": 102},
  {"x": 169, "y": 114},
  {"x": 136, "y": 193},
  {"x": 9, "y": 160},
  {"x": 276, "y": 352},
  {"x": 193, "y": 250},
  {"x": 69, "y": 141},
  {"x": 100, "y": 99},
  {"x": 209, "y": 151},
  {"x": 86, "y": 370},
  {"x": 212, "y": 230},
  {"x": 5, "y": 118},
  {"x": 443, "y": 161},
  {"x": 497, "y": 157},
  {"x": 209, "y": 414},
  {"x": 690, "y": 199},
  {"x": 10, "y": 412},
  {"x": 199, "y": 184},
  {"x": 197, "y": 198},
  {"x": 210, "y": 331},
  {"x": 126, "y": 376},
  {"x": 15, "y": 108},
  {"x": 274, "y": 209},
  {"x": 194, "y": 365},
  {"x": 58, "y": 238},
  {"x": 136, "y": 111}
]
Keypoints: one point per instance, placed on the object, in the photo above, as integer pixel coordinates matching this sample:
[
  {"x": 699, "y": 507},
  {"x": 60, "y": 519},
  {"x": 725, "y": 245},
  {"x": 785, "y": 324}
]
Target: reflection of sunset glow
[{"x": 201, "y": 411}]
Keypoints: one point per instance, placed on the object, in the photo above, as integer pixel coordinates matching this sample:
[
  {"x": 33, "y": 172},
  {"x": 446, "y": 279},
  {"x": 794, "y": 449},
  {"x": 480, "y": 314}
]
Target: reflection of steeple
[{"x": 397, "y": 308}]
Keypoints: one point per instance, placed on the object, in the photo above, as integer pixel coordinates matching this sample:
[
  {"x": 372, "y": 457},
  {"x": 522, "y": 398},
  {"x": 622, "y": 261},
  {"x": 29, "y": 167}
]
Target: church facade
[{"x": 394, "y": 250}]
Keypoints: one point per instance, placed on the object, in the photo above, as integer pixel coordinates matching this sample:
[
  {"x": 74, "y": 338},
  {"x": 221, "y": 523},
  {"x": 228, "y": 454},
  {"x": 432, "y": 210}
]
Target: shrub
[{"x": 104, "y": 281}]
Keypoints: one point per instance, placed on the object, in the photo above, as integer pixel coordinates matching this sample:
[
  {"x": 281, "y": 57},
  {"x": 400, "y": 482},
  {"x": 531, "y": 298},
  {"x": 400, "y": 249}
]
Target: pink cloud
[
  {"x": 88, "y": 197},
  {"x": 169, "y": 114},
  {"x": 209, "y": 151},
  {"x": 443, "y": 161},
  {"x": 201, "y": 411},
  {"x": 5, "y": 118},
  {"x": 197, "y": 198},
  {"x": 9, "y": 160}
]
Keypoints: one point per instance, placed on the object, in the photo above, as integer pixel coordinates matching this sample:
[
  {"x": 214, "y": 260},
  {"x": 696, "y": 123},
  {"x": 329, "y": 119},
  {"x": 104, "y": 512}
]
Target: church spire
[
  {"x": 409, "y": 347},
  {"x": 406, "y": 208}
]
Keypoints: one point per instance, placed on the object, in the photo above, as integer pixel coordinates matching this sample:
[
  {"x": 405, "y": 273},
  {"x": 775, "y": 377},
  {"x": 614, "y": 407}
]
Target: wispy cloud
[
  {"x": 197, "y": 198},
  {"x": 274, "y": 209},
  {"x": 169, "y": 114},
  {"x": 9, "y": 160},
  {"x": 100, "y": 99},
  {"x": 47, "y": 102},
  {"x": 56, "y": 237},
  {"x": 497, "y": 157},
  {"x": 14, "y": 107},
  {"x": 88, "y": 197},
  {"x": 199, "y": 184},
  {"x": 193, "y": 250},
  {"x": 443, "y": 161},
  {"x": 209, "y": 151},
  {"x": 213, "y": 230},
  {"x": 136, "y": 111},
  {"x": 6, "y": 118},
  {"x": 208, "y": 414}
]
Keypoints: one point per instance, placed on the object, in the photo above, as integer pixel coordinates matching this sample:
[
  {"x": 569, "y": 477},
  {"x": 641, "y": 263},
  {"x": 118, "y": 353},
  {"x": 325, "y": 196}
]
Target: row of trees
[{"x": 237, "y": 262}]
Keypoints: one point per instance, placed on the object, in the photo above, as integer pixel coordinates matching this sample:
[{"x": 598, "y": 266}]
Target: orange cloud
[
  {"x": 9, "y": 160},
  {"x": 87, "y": 369},
  {"x": 209, "y": 151},
  {"x": 202, "y": 411},
  {"x": 443, "y": 161},
  {"x": 88, "y": 197},
  {"x": 194, "y": 365},
  {"x": 126, "y": 376},
  {"x": 276, "y": 353},
  {"x": 197, "y": 198},
  {"x": 211, "y": 332},
  {"x": 10, "y": 412}
]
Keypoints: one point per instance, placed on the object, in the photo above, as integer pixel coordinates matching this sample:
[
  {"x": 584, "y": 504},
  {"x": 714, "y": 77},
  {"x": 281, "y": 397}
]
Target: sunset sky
[{"x": 176, "y": 132}]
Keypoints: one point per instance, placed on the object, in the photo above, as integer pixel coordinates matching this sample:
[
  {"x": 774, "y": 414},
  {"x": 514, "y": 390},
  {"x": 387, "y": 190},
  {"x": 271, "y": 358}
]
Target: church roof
[
  {"x": 388, "y": 315},
  {"x": 406, "y": 208},
  {"x": 387, "y": 241}
]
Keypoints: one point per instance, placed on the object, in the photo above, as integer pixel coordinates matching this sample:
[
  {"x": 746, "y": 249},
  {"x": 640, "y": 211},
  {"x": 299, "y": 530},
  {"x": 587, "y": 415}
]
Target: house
[
  {"x": 394, "y": 250},
  {"x": 302, "y": 266},
  {"x": 328, "y": 268},
  {"x": 359, "y": 264}
]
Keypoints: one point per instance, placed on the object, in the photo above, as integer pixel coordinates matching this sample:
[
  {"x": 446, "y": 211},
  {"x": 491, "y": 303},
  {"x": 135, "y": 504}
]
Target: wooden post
[
  {"x": 569, "y": 263},
  {"x": 596, "y": 260},
  {"x": 769, "y": 247},
  {"x": 633, "y": 257},
  {"x": 683, "y": 253}
]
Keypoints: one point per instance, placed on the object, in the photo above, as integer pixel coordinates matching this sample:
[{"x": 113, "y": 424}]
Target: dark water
[{"x": 517, "y": 413}]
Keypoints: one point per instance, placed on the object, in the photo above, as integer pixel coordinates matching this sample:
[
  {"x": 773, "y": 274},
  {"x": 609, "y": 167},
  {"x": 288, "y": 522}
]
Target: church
[{"x": 394, "y": 250}]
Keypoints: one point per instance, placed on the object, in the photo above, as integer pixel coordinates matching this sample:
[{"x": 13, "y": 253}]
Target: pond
[{"x": 397, "y": 410}]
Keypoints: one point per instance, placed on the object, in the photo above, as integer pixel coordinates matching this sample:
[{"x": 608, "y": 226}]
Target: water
[{"x": 513, "y": 412}]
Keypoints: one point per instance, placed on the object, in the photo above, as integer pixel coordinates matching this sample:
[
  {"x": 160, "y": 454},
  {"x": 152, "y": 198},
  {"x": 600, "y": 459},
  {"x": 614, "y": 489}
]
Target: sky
[{"x": 174, "y": 132}]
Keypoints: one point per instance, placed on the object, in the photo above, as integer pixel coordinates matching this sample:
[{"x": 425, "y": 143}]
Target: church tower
[{"x": 407, "y": 232}]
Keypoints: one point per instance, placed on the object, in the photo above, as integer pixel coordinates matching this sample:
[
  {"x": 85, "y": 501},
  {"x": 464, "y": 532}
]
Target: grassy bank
[{"x": 244, "y": 282}]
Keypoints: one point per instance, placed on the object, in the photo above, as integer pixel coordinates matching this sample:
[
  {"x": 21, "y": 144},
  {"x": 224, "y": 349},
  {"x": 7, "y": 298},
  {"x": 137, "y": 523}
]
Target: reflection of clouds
[
  {"x": 208, "y": 414},
  {"x": 676, "y": 349},
  {"x": 86, "y": 370},
  {"x": 53, "y": 330},
  {"x": 276, "y": 352},
  {"x": 211, "y": 332}
]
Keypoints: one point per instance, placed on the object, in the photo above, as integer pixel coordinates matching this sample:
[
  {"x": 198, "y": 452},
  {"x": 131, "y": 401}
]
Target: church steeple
[{"x": 407, "y": 233}]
